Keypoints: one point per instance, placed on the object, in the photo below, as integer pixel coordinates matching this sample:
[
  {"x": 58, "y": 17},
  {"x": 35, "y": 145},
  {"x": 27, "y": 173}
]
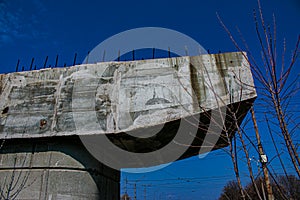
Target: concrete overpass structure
[{"x": 48, "y": 116}]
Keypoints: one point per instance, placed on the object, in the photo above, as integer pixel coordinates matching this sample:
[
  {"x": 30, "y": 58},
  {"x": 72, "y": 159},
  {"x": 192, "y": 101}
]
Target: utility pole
[{"x": 262, "y": 157}]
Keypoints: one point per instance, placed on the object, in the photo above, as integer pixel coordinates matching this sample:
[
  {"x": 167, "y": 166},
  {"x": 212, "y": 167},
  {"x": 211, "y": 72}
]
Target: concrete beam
[{"x": 116, "y": 97}]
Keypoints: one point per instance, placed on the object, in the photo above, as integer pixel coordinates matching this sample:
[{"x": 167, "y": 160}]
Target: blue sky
[{"x": 34, "y": 28}]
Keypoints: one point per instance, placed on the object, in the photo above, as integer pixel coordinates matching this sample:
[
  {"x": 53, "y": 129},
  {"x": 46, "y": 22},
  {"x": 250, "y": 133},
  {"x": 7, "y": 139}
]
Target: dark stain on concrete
[{"x": 195, "y": 84}]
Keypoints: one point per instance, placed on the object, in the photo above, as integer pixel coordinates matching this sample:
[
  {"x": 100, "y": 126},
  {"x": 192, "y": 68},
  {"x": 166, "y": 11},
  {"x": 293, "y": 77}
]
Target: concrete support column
[{"x": 54, "y": 168}]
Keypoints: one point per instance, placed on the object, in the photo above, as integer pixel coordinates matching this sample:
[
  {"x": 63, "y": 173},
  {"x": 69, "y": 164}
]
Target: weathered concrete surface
[
  {"x": 116, "y": 97},
  {"x": 54, "y": 169}
]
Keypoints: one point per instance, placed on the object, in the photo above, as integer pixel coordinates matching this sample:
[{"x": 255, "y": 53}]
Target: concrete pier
[{"x": 54, "y": 168}]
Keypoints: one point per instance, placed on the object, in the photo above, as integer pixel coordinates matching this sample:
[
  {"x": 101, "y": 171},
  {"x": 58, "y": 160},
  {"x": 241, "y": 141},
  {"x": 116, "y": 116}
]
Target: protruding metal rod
[
  {"x": 87, "y": 58},
  {"x": 32, "y": 60},
  {"x": 153, "y": 53},
  {"x": 17, "y": 66},
  {"x": 45, "y": 63},
  {"x": 34, "y": 67},
  {"x": 169, "y": 52},
  {"x": 133, "y": 54},
  {"x": 119, "y": 55},
  {"x": 186, "y": 51},
  {"x": 75, "y": 56},
  {"x": 103, "y": 57},
  {"x": 56, "y": 60},
  {"x": 23, "y": 68}
]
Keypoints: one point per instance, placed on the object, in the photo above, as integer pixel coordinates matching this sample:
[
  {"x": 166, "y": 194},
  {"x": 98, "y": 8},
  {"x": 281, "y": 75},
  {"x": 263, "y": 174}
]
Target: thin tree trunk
[
  {"x": 236, "y": 170},
  {"x": 247, "y": 157},
  {"x": 288, "y": 141}
]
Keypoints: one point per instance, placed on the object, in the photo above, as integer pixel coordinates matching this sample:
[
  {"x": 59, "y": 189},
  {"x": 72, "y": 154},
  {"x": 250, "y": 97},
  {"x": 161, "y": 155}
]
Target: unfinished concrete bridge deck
[{"x": 140, "y": 106}]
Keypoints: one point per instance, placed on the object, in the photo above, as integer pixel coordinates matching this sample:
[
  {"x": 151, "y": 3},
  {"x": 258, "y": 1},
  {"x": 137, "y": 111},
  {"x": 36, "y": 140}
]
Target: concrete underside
[
  {"x": 169, "y": 130},
  {"x": 57, "y": 168},
  {"x": 144, "y": 145}
]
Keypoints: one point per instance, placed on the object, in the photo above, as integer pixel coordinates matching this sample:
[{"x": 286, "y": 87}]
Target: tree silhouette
[{"x": 289, "y": 188}]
